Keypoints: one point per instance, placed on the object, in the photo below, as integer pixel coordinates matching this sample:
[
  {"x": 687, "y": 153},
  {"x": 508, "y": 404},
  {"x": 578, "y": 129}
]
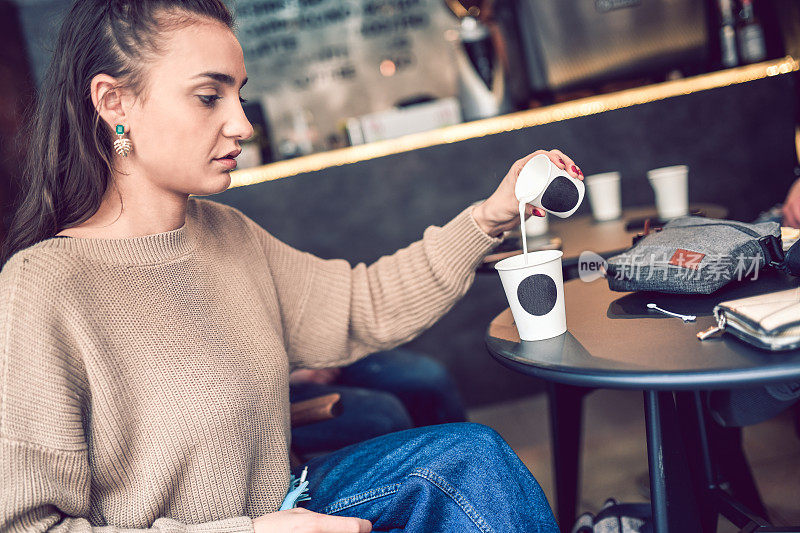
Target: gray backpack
[{"x": 695, "y": 255}]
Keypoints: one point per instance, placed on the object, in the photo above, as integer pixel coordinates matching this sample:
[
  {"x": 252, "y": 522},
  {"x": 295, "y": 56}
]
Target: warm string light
[{"x": 515, "y": 121}]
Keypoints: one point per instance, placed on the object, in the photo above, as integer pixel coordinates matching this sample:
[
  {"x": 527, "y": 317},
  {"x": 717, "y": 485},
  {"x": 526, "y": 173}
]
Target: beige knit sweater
[{"x": 143, "y": 381}]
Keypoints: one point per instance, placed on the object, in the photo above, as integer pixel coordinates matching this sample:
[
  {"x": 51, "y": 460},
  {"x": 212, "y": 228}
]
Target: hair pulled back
[{"x": 69, "y": 161}]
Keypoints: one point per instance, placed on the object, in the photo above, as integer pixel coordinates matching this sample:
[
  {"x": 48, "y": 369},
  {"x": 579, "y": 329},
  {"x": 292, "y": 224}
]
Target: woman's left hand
[{"x": 500, "y": 212}]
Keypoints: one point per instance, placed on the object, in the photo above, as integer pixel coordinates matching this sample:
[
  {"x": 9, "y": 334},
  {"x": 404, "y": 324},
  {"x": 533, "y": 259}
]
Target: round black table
[{"x": 614, "y": 341}]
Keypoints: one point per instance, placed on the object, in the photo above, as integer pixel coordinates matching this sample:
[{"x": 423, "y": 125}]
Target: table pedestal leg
[
  {"x": 566, "y": 407},
  {"x": 698, "y": 455},
  {"x": 671, "y": 491}
]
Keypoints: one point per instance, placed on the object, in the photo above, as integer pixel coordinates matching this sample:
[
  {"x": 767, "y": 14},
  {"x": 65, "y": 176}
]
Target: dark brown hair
[{"x": 69, "y": 160}]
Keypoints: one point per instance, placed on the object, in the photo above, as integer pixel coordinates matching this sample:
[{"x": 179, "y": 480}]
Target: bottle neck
[{"x": 746, "y": 12}]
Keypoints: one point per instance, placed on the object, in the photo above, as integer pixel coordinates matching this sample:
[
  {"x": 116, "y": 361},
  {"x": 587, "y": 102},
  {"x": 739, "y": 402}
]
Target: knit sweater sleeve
[
  {"x": 44, "y": 396},
  {"x": 334, "y": 314}
]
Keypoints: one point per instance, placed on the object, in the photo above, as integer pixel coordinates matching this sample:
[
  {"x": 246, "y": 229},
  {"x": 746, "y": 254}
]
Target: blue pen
[{"x": 298, "y": 491}]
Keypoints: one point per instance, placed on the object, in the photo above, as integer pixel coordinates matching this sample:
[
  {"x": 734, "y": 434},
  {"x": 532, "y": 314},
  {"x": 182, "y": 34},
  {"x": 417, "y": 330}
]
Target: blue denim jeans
[
  {"x": 382, "y": 393},
  {"x": 445, "y": 478}
]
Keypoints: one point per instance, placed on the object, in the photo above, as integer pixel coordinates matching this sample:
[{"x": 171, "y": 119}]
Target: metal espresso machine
[
  {"x": 482, "y": 87},
  {"x": 514, "y": 51}
]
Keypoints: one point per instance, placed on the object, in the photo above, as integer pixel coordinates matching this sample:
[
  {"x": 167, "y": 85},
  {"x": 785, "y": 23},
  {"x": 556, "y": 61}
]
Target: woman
[{"x": 148, "y": 336}]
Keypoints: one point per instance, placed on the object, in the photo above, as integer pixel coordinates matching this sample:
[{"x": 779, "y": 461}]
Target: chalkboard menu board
[
  {"x": 317, "y": 62},
  {"x": 314, "y": 63}
]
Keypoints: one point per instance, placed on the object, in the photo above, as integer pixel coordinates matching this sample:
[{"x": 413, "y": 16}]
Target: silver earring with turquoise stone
[{"x": 122, "y": 145}]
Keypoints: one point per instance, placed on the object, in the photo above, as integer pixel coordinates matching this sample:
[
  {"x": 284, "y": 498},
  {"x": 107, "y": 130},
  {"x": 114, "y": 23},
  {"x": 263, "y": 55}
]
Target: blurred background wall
[{"x": 16, "y": 95}]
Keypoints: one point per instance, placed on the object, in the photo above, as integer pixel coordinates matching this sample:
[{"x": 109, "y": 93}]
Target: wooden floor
[{"x": 615, "y": 456}]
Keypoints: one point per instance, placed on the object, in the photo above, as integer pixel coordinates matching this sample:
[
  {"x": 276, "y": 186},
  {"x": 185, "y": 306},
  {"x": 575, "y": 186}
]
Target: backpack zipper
[{"x": 741, "y": 228}]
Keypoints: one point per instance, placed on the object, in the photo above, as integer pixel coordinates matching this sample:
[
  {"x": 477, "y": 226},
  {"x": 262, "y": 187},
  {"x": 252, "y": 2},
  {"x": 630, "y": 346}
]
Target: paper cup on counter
[
  {"x": 535, "y": 293},
  {"x": 604, "y": 195},
  {"x": 671, "y": 185},
  {"x": 536, "y": 226}
]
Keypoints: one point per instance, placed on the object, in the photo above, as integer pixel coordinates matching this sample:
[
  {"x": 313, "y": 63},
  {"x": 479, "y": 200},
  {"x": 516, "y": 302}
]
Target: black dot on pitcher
[
  {"x": 561, "y": 195},
  {"x": 537, "y": 294}
]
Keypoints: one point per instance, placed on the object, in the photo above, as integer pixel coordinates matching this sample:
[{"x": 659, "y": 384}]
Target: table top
[
  {"x": 614, "y": 341},
  {"x": 582, "y": 233}
]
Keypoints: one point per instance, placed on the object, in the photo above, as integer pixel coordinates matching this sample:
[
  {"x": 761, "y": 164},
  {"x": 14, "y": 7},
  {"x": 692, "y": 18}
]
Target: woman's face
[{"x": 191, "y": 115}]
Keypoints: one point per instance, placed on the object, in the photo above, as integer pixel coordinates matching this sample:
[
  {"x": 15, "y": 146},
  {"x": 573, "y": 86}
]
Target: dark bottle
[
  {"x": 477, "y": 43},
  {"x": 727, "y": 34},
  {"x": 750, "y": 35}
]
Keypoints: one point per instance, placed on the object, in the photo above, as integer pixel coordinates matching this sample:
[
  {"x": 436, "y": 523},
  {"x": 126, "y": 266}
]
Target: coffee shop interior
[{"x": 375, "y": 119}]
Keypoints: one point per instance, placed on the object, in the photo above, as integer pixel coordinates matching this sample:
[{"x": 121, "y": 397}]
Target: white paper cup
[
  {"x": 671, "y": 185},
  {"x": 604, "y": 195},
  {"x": 536, "y": 226},
  {"x": 535, "y": 293}
]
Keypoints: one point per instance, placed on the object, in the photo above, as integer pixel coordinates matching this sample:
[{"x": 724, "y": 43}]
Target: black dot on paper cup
[
  {"x": 537, "y": 294},
  {"x": 561, "y": 195}
]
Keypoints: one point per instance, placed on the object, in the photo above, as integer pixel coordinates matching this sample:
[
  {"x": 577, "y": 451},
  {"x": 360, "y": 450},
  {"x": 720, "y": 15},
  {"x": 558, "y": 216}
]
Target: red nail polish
[
  {"x": 574, "y": 169},
  {"x": 560, "y": 160}
]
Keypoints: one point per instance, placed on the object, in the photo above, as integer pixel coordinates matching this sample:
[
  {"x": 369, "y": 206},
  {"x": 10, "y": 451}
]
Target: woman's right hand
[{"x": 301, "y": 520}]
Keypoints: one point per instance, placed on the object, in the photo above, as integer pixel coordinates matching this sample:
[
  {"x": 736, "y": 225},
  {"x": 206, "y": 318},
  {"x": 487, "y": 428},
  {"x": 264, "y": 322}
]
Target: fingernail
[
  {"x": 560, "y": 160},
  {"x": 574, "y": 169}
]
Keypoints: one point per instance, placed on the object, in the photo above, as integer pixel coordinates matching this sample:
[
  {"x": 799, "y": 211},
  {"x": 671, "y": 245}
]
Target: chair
[{"x": 310, "y": 411}]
